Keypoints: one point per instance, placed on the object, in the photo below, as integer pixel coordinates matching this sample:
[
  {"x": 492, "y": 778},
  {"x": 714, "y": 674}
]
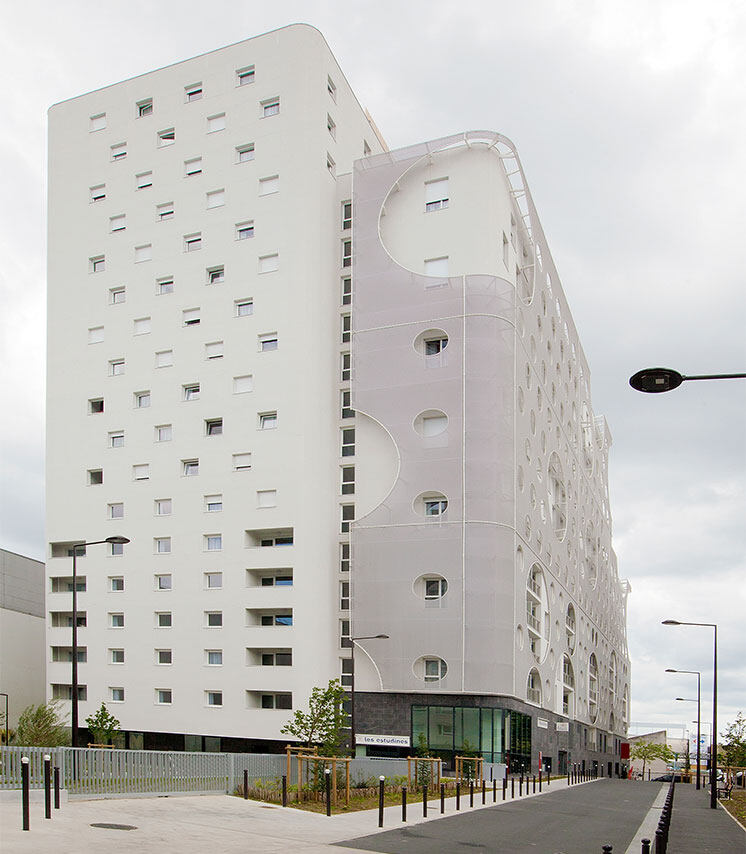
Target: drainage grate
[{"x": 109, "y": 826}]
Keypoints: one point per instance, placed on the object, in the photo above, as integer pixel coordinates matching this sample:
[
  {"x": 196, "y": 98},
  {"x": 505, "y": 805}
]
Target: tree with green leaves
[
  {"x": 42, "y": 726},
  {"x": 102, "y": 725},
  {"x": 324, "y": 724},
  {"x": 733, "y": 744},
  {"x": 649, "y": 750}
]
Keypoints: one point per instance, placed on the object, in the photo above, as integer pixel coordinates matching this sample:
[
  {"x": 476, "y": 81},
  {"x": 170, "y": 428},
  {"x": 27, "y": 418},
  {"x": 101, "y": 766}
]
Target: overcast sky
[{"x": 630, "y": 120}]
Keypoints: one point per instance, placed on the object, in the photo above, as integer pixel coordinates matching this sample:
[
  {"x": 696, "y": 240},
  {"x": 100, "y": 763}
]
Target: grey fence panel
[
  {"x": 367, "y": 768},
  {"x": 261, "y": 766},
  {"x": 10, "y": 765}
]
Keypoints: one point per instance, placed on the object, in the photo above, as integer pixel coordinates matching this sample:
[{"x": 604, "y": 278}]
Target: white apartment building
[{"x": 300, "y": 455}]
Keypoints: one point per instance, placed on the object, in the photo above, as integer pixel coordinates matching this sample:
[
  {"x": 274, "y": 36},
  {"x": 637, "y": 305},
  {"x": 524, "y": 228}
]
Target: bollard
[
  {"x": 505, "y": 786},
  {"x": 484, "y": 792},
  {"x": 403, "y": 803},
  {"x": 494, "y": 791},
  {"x": 549, "y": 776},
  {"x": 284, "y": 790},
  {"x": 606, "y": 849},
  {"x": 442, "y": 798},
  {"x": 424, "y": 801},
  {"x": 56, "y": 787},
  {"x": 328, "y": 783},
  {"x": 47, "y": 786},
  {"x": 520, "y": 786},
  {"x": 380, "y": 801},
  {"x": 539, "y": 779},
  {"x": 533, "y": 790},
  {"x": 245, "y": 784},
  {"x": 568, "y": 778},
  {"x": 25, "y": 792},
  {"x": 660, "y": 845},
  {"x": 645, "y": 846},
  {"x": 458, "y": 795},
  {"x": 512, "y": 788},
  {"x": 471, "y": 793}
]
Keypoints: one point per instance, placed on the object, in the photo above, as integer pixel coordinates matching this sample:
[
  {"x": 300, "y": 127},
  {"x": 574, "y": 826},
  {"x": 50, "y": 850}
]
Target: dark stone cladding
[{"x": 389, "y": 713}]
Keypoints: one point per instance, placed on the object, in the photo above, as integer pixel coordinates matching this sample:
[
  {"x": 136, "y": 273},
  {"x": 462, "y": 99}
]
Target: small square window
[
  {"x": 215, "y": 199},
  {"x": 346, "y": 291},
  {"x": 166, "y": 137},
  {"x": 214, "y": 698},
  {"x": 165, "y": 285},
  {"x": 162, "y": 545},
  {"x": 348, "y": 442},
  {"x": 116, "y": 621},
  {"x": 344, "y": 595},
  {"x": 145, "y": 108},
  {"x": 191, "y": 392},
  {"x": 214, "y": 619},
  {"x": 270, "y": 107},
  {"x": 95, "y": 334},
  {"x": 190, "y": 468},
  {"x": 95, "y": 477},
  {"x": 164, "y": 211},
  {"x": 245, "y": 153},
  {"x": 192, "y": 242},
  {"x": 213, "y": 542},
  {"x": 191, "y": 317},
  {"x": 214, "y": 657},
  {"x": 346, "y": 253},
  {"x": 164, "y": 620},
  {"x": 144, "y": 180},
  {"x": 163, "y": 696},
  {"x": 213, "y": 580},
  {"x": 348, "y": 515},
  {"x": 266, "y": 498},
  {"x": 163, "y": 507},
  {"x": 269, "y": 263},
  {"x": 243, "y": 384},
  {"x": 437, "y": 266},
  {"x": 268, "y": 342},
  {"x": 164, "y": 358},
  {"x": 143, "y": 253},
  {"x": 214, "y": 350},
  {"x": 216, "y": 123},
  {"x": 347, "y": 410},
  {"x": 116, "y": 367},
  {"x": 163, "y": 582},
  {"x": 346, "y": 328},
  {"x": 214, "y": 427},
  {"x": 141, "y": 471},
  {"x": 119, "y": 151},
  {"x": 244, "y": 230},
  {"x": 116, "y": 695},
  {"x": 96, "y": 405},
  {"x": 267, "y": 420},
  {"x": 97, "y": 122},
  {"x": 215, "y": 275},
  {"x": 348, "y": 480},
  {"x": 97, "y": 264},
  {"x": 241, "y": 462},
  {"x": 116, "y": 583},
  {"x": 213, "y": 503},
  {"x": 244, "y": 307},
  {"x": 116, "y": 549},
  {"x": 164, "y": 433},
  {"x": 346, "y": 370},
  {"x": 98, "y": 193},
  {"x": 116, "y": 511},
  {"x": 244, "y": 76},
  {"x": 193, "y": 92},
  {"x": 344, "y": 557},
  {"x": 346, "y": 215},
  {"x": 269, "y": 185},
  {"x": 117, "y": 296},
  {"x": 436, "y": 194},
  {"x": 116, "y": 439},
  {"x": 117, "y": 223},
  {"x": 141, "y": 326},
  {"x": 116, "y": 656},
  {"x": 193, "y": 166},
  {"x": 164, "y": 656}
]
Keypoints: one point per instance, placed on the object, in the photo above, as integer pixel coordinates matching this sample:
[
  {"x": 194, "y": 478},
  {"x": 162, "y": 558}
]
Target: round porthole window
[{"x": 431, "y": 422}]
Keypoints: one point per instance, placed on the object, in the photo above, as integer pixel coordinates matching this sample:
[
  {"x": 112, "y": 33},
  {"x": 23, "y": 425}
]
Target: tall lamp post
[
  {"x": 714, "y": 748},
  {"x": 7, "y": 727},
  {"x": 699, "y": 707},
  {"x": 353, "y": 641},
  {"x": 74, "y": 692}
]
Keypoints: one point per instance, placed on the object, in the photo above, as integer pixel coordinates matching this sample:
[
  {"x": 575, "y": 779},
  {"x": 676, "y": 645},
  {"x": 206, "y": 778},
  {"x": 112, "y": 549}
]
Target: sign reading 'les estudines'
[{"x": 384, "y": 740}]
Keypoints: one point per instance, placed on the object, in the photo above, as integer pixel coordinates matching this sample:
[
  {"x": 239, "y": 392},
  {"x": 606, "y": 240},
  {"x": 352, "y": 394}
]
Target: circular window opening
[
  {"x": 431, "y": 342},
  {"x": 431, "y": 422},
  {"x": 430, "y": 668},
  {"x": 431, "y": 504},
  {"x": 432, "y": 588}
]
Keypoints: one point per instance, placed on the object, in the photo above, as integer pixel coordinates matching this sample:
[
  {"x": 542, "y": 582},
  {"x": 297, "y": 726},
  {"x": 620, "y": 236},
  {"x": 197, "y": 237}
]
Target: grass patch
[{"x": 736, "y": 805}]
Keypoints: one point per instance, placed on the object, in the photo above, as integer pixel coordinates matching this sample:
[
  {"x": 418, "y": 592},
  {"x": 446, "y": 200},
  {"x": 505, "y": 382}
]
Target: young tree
[
  {"x": 733, "y": 745},
  {"x": 102, "y": 725},
  {"x": 648, "y": 751},
  {"x": 42, "y": 726},
  {"x": 325, "y": 721}
]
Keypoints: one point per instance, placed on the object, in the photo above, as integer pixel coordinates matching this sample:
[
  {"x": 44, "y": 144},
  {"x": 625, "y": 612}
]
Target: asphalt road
[{"x": 569, "y": 821}]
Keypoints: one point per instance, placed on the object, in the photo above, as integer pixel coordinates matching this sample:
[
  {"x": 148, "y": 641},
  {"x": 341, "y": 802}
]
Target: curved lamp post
[
  {"x": 714, "y": 748},
  {"x": 353, "y": 641},
  {"x": 74, "y": 691},
  {"x": 699, "y": 707},
  {"x": 657, "y": 380}
]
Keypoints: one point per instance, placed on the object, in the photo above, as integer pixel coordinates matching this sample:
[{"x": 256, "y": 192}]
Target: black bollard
[
  {"x": 505, "y": 786},
  {"x": 645, "y": 846},
  {"x": 245, "y": 784},
  {"x": 660, "y": 842},
  {"x": 606, "y": 849},
  {"x": 284, "y": 790},
  {"x": 47, "y": 786},
  {"x": 458, "y": 794},
  {"x": 424, "y": 801},
  {"x": 533, "y": 790},
  {"x": 56, "y": 787},
  {"x": 568, "y": 778},
  {"x": 471, "y": 793},
  {"x": 520, "y": 786},
  {"x": 442, "y": 798},
  {"x": 25, "y": 792},
  {"x": 512, "y": 788},
  {"x": 539, "y": 779},
  {"x": 494, "y": 791},
  {"x": 328, "y": 782},
  {"x": 484, "y": 792},
  {"x": 380, "y": 801},
  {"x": 403, "y": 803}
]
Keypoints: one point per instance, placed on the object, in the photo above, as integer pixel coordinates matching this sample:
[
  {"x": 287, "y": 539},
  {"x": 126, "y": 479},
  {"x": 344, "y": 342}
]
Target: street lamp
[
  {"x": 74, "y": 692},
  {"x": 657, "y": 380},
  {"x": 714, "y": 749},
  {"x": 699, "y": 707},
  {"x": 6, "y": 717},
  {"x": 353, "y": 641}
]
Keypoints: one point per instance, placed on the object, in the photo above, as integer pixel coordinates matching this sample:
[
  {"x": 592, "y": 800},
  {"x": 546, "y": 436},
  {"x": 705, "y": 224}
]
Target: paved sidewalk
[{"x": 698, "y": 829}]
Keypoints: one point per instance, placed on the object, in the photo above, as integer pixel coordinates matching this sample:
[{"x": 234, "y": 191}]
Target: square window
[
  {"x": 164, "y": 656},
  {"x": 348, "y": 514},
  {"x": 166, "y": 137},
  {"x": 348, "y": 480},
  {"x": 193, "y": 166},
  {"x": 244, "y": 76},
  {"x": 268, "y": 342},
  {"x": 116, "y": 511},
  {"x": 213, "y": 503},
  {"x": 164, "y": 433},
  {"x": 344, "y": 595},
  {"x": 116, "y": 439},
  {"x": 116, "y": 695},
  {"x": 143, "y": 253},
  {"x": 216, "y": 123},
  {"x": 346, "y": 328},
  {"x": 266, "y": 498},
  {"x": 214, "y": 657},
  {"x": 143, "y": 180},
  {"x": 214, "y": 350},
  {"x": 348, "y": 442},
  {"x": 163, "y": 582},
  {"x": 116, "y": 621},
  {"x": 346, "y": 253},
  {"x": 344, "y": 557},
  {"x": 95, "y": 334},
  {"x": 193, "y": 92},
  {"x": 245, "y": 153},
  {"x": 116, "y": 583},
  {"x": 346, "y": 215},
  {"x": 267, "y": 420},
  {"x": 244, "y": 230},
  {"x": 215, "y": 275},
  {"x": 192, "y": 242},
  {"x": 191, "y": 317},
  {"x": 214, "y": 427},
  {"x": 242, "y": 385},
  {"x": 269, "y": 263},
  {"x": 214, "y": 698},
  {"x": 163, "y": 696},
  {"x": 213, "y": 542},
  {"x": 96, "y": 405},
  {"x": 215, "y": 199},
  {"x": 244, "y": 307},
  {"x": 191, "y": 392},
  {"x": 270, "y": 107},
  {"x": 163, "y": 507},
  {"x": 141, "y": 326},
  {"x": 269, "y": 185},
  {"x": 435, "y": 507},
  {"x": 346, "y": 371},
  {"x": 142, "y": 399},
  {"x": 97, "y": 264},
  {"x": 162, "y": 545},
  {"x": 164, "y": 286},
  {"x": 145, "y": 108},
  {"x": 214, "y": 619},
  {"x": 117, "y": 296},
  {"x": 213, "y": 580},
  {"x": 347, "y": 291},
  {"x": 116, "y": 656},
  {"x": 347, "y": 410},
  {"x": 164, "y": 358},
  {"x": 164, "y": 211},
  {"x": 116, "y": 367},
  {"x": 164, "y": 620},
  {"x": 241, "y": 462},
  {"x": 433, "y": 346},
  {"x": 141, "y": 471},
  {"x": 116, "y": 549},
  {"x": 119, "y": 151},
  {"x": 97, "y": 122},
  {"x": 95, "y": 477},
  {"x": 98, "y": 193},
  {"x": 190, "y": 468},
  {"x": 437, "y": 266},
  {"x": 117, "y": 223},
  {"x": 436, "y": 194}
]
